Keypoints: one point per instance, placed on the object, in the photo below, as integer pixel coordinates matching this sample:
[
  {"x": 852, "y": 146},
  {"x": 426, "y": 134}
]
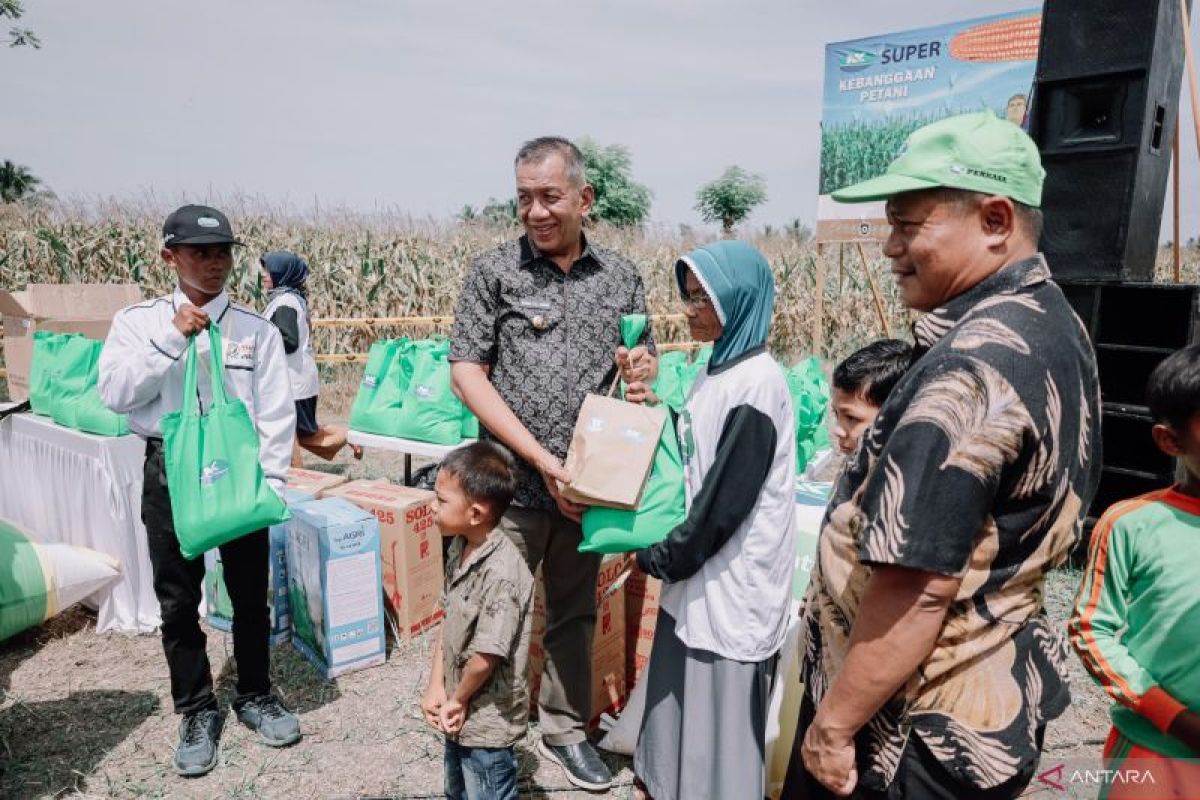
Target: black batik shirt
[
  {"x": 980, "y": 465},
  {"x": 549, "y": 337}
]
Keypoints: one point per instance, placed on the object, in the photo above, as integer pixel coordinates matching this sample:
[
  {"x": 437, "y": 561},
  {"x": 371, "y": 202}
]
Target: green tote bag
[
  {"x": 810, "y": 400},
  {"x": 663, "y": 506},
  {"x": 431, "y": 412},
  {"x": 46, "y": 346},
  {"x": 92, "y": 416},
  {"x": 376, "y": 407},
  {"x": 76, "y": 368},
  {"x": 218, "y": 490}
]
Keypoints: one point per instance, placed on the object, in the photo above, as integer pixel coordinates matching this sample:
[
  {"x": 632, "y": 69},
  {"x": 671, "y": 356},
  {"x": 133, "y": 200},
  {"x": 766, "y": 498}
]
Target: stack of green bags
[
  {"x": 62, "y": 384},
  {"x": 810, "y": 401},
  {"x": 405, "y": 393}
]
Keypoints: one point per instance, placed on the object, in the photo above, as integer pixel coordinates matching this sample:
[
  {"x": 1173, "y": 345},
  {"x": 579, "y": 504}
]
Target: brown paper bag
[{"x": 612, "y": 450}]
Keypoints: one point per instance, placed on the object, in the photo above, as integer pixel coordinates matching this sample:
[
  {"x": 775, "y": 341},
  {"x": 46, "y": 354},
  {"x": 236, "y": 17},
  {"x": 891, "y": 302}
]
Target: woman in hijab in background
[
  {"x": 727, "y": 568},
  {"x": 284, "y": 274}
]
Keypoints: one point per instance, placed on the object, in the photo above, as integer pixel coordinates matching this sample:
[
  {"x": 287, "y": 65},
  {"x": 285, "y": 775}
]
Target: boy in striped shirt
[{"x": 1137, "y": 616}]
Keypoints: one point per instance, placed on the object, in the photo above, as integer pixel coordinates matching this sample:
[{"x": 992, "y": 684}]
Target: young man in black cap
[{"x": 141, "y": 374}]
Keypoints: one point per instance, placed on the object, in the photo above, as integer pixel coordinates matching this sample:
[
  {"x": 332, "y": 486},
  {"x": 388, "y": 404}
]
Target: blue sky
[{"x": 419, "y": 106}]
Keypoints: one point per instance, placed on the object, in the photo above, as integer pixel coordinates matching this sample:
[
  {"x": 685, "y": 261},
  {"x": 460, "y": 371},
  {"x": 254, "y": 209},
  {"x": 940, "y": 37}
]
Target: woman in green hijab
[{"x": 726, "y": 570}]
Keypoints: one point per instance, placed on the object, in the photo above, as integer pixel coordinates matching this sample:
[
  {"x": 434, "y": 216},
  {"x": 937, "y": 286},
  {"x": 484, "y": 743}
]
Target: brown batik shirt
[
  {"x": 549, "y": 336},
  {"x": 487, "y": 603},
  {"x": 980, "y": 465}
]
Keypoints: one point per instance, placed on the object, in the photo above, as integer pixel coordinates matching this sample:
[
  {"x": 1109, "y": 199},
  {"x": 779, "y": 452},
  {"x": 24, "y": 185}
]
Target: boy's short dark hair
[
  {"x": 874, "y": 370},
  {"x": 487, "y": 473},
  {"x": 1173, "y": 392}
]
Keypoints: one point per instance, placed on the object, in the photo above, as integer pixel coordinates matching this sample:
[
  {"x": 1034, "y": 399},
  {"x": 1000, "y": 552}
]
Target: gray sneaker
[
  {"x": 276, "y": 726},
  {"x": 199, "y": 734}
]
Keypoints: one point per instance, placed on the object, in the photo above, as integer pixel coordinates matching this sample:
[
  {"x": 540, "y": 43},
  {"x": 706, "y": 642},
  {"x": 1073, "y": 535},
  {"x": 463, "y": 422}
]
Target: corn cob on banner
[
  {"x": 880, "y": 89},
  {"x": 39, "y": 580}
]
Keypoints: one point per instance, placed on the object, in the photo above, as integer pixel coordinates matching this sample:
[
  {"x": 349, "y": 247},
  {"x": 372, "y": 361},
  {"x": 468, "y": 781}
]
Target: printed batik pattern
[{"x": 980, "y": 465}]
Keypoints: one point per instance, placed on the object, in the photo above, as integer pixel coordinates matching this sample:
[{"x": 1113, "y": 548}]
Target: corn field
[
  {"x": 853, "y": 152},
  {"x": 391, "y": 265}
]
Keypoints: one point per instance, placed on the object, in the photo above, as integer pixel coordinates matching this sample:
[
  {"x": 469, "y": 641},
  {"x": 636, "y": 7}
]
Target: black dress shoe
[{"x": 581, "y": 764}]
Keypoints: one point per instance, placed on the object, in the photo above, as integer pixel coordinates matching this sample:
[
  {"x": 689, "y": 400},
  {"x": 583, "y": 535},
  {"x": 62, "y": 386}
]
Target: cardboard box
[
  {"x": 313, "y": 482},
  {"x": 641, "y": 620},
  {"x": 333, "y": 586},
  {"x": 86, "y": 308},
  {"x": 219, "y": 607},
  {"x": 411, "y": 547},
  {"x": 608, "y": 640}
]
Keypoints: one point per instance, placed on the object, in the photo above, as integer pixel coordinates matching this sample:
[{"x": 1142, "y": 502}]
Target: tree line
[{"x": 620, "y": 200}]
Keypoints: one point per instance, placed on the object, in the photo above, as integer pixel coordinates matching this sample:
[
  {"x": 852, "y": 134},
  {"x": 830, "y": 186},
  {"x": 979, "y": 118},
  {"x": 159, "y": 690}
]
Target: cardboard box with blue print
[{"x": 333, "y": 586}]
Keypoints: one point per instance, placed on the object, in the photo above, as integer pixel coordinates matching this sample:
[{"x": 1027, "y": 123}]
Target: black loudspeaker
[
  {"x": 1133, "y": 328},
  {"x": 1105, "y": 103}
]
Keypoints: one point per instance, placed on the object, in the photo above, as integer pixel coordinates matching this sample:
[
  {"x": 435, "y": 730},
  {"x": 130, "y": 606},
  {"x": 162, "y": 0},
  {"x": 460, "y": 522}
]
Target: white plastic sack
[{"x": 39, "y": 580}]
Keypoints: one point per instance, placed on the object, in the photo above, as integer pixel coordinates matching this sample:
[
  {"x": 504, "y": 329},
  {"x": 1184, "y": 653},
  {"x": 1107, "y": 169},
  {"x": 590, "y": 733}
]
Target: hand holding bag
[
  {"x": 214, "y": 476},
  {"x": 614, "y": 442}
]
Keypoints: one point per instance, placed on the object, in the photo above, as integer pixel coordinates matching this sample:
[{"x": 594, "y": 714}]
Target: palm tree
[{"x": 17, "y": 182}]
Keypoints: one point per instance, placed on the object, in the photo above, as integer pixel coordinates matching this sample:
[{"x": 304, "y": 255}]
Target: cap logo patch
[
  {"x": 208, "y": 222},
  {"x": 958, "y": 169}
]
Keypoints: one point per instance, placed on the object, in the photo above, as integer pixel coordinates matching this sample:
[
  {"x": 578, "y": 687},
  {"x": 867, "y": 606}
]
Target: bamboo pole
[
  {"x": 371, "y": 322},
  {"x": 818, "y": 333},
  {"x": 841, "y": 268},
  {"x": 1177, "y": 267},
  {"x": 360, "y": 358},
  {"x": 1191, "y": 69},
  {"x": 883, "y": 323}
]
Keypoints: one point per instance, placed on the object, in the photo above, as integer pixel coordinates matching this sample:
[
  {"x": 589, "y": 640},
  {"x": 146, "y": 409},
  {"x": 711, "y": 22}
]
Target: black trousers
[
  {"x": 177, "y": 583},
  {"x": 920, "y": 775}
]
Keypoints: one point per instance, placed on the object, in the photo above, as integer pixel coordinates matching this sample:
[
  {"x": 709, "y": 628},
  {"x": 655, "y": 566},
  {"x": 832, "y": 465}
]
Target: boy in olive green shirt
[{"x": 477, "y": 694}]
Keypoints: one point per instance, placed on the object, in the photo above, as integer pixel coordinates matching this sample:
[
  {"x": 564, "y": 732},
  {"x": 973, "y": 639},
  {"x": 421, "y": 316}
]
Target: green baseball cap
[{"x": 979, "y": 152}]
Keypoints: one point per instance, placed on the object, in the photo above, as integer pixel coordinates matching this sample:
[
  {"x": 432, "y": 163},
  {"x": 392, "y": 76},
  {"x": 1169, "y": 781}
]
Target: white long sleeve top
[{"x": 141, "y": 372}]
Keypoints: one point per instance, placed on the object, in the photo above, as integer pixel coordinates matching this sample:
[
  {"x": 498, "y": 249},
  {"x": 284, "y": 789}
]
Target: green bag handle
[
  {"x": 216, "y": 364},
  {"x": 632, "y": 328}
]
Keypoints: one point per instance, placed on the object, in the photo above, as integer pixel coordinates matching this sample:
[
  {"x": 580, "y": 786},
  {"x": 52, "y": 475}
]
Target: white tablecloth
[
  {"x": 62, "y": 485},
  {"x": 407, "y": 446}
]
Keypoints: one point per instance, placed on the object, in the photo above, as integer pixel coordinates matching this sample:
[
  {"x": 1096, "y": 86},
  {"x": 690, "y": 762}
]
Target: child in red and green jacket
[{"x": 1137, "y": 617}]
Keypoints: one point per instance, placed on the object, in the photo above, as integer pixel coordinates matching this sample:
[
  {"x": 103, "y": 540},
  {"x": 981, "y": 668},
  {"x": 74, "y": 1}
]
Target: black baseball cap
[{"x": 197, "y": 225}]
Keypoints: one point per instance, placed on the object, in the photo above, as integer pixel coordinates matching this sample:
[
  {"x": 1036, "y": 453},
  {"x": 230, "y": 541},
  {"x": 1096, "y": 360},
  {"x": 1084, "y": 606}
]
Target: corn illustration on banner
[{"x": 880, "y": 89}]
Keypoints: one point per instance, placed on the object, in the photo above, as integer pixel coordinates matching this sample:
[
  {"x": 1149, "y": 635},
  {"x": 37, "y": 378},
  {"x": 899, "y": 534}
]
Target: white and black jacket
[{"x": 727, "y": 570}]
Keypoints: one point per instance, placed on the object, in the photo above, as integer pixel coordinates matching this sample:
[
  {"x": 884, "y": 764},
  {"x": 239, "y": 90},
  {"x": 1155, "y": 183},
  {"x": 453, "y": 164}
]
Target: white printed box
[
  {"x": 334, "y": 583},
  {"x": 219, "y": 607}
]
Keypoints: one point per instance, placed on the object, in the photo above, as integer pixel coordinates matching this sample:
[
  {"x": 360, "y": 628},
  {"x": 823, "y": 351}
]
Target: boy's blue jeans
[{"x": 480, "y": 773}]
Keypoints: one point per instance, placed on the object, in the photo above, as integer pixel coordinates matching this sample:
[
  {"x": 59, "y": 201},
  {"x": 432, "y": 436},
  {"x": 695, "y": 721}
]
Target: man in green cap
[{"x": 930, "y": 668}]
